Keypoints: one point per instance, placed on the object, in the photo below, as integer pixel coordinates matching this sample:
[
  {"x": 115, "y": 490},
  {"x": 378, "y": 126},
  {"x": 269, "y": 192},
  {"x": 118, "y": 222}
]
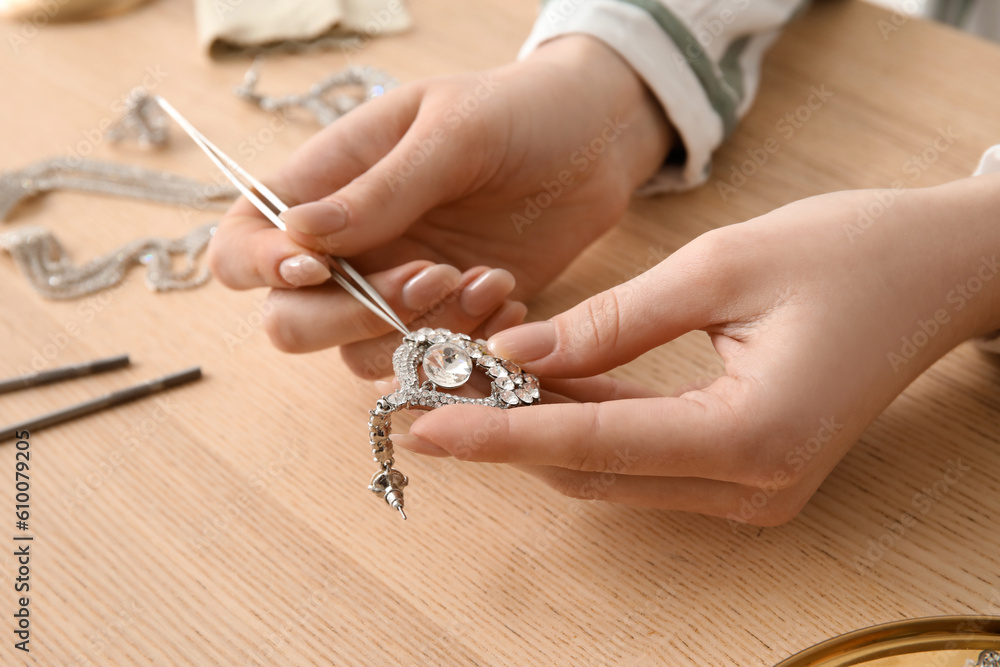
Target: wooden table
[{"x": 229, "y": 523}]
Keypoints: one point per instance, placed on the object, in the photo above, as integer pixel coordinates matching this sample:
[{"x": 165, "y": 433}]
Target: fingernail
[
  {"x": 528, "y": 342},
  {"x": 415, "y": 444},
  {"x": 303, "y": 270},
  {"x": 487, "y": 292},
  {"x": 384, "y": 387},
  {"x": 430, "y": 286},
  {"x": 318, "y": 218},
  {"x": 510, "y": 315}
]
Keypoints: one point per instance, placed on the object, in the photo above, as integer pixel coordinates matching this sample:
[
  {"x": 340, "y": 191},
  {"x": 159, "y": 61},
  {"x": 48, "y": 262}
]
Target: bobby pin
[
  {"x": 111, "y": 400},
  {"x": 63, "y": 373}
]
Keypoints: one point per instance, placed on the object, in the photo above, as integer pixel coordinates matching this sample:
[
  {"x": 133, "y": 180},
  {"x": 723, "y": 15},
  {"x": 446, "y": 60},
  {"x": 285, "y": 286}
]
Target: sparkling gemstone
[
  {"x": 531, "y": 385},
  {"x": 524, "y": 394},
  {"x": 447, "y": 365},
  {"x": 505, "y": 383},
  {"x": 496, "y": 371},
  {"x": 486, "y": 361},
  {"x": 509, "y": 397},
  {"x": 511, "y": 367}
]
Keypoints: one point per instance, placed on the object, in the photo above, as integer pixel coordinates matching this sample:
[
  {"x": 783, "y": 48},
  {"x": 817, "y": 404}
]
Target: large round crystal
[{"x": 447, "y": 365}]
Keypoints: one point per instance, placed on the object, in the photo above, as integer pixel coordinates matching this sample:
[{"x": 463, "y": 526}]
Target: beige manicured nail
[
  {"x": 415, "y": 444},
  {"x": 303, "y": 270},
  {"x": 430, "y": 286},
  {"x": 524, "y": 343},
  {"x": 487, "y": 292},
  {"x": 318, "y": 218}
]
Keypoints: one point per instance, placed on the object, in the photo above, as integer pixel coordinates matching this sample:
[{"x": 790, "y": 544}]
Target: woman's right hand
[{"x": 456, "y": 196}]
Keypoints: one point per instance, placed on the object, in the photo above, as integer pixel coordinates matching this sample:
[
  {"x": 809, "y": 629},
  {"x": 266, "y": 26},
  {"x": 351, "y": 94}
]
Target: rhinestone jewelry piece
[
  {"x": 448, "y": 360},
  {"x": 447, "y": 365},
  {"x": 110, "y": 178},
  {"x": 47, "y": 265},
  {"x": 142, "y": 123},
  {"x": 322, "y": 99},
  {"x": 54, "y": 275},
  {"x": 988, "y": 658}
]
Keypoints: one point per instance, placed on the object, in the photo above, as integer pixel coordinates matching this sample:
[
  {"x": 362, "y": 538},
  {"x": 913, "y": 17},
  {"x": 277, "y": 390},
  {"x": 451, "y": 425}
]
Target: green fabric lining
[{"x": 722, "y": 97}]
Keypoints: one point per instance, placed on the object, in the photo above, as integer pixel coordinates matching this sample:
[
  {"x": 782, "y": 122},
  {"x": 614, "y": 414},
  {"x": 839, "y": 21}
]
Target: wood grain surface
[{"x": 227, "y": 523}]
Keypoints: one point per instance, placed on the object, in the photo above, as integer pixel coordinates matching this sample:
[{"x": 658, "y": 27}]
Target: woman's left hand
[{"x": 820, "y": 323}]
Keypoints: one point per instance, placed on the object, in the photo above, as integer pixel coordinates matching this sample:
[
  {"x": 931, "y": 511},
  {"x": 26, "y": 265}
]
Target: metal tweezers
[{"x": 271, "y": 207}]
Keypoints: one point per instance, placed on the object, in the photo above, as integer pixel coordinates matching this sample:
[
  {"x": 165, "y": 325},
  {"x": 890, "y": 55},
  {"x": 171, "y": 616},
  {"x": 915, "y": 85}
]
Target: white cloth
[{"x": 233, "y": 26}]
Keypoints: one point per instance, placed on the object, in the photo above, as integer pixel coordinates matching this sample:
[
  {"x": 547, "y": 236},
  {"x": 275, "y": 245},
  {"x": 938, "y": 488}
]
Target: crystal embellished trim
[
  {"x": 504, "y": 374},
  {"x": 458, "y": 354}
]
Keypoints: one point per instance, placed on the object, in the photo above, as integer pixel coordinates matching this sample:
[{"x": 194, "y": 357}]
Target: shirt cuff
[
  {"x": 989, "y": 164},
  {"x": 641, "y": 42}
]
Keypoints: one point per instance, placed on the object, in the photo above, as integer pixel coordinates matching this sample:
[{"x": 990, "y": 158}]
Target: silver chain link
[{"x": 388, "y": 481}]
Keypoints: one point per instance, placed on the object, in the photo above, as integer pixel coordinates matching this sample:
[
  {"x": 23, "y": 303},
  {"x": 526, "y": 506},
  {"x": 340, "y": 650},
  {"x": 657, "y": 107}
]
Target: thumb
[
  {"x": 381, "y": 203},
  {"x": 611, "y": 328}
]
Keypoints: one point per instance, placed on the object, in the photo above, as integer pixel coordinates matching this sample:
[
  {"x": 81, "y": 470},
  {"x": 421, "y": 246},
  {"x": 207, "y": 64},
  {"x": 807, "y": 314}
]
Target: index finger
[
  {"x": 247, "y": 249},
  {"x": 696, "y": 435}
]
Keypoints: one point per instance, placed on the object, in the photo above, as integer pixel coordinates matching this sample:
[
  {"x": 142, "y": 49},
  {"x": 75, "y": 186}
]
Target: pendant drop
[{"x": 448, "y": 361}]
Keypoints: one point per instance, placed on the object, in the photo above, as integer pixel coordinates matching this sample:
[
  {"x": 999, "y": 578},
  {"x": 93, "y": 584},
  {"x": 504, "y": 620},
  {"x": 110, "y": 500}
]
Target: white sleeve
[
  {"x": 989, "y": 164},
  {"x": 701, "y": 60}
]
